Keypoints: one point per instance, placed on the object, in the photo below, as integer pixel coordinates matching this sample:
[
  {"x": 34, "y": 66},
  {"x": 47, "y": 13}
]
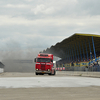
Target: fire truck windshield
[{"x": 43, "y": 60}]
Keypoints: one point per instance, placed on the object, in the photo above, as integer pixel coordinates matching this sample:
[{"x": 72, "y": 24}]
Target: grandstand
[{"x": 78, "y": 50}]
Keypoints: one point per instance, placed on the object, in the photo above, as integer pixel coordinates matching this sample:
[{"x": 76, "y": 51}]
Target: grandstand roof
[{"x": 77, "y": 41}]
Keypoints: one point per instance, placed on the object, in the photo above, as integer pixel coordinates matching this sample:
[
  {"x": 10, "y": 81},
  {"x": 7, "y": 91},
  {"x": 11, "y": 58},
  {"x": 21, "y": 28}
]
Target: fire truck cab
[{"x": 44, "y": 64}]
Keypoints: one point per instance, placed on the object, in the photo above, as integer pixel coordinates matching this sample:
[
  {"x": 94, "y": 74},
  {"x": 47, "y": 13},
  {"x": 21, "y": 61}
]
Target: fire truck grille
[{"x": 42, "y": 67}]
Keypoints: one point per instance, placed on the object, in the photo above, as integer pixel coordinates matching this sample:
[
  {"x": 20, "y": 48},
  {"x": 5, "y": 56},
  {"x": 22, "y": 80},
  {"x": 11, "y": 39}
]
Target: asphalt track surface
[
  {"x": 53, "y": 81},
  {"x": 59, "y": 87}
]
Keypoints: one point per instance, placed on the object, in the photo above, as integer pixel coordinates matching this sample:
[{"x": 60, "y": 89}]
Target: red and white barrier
[{"x": 60, "y": 68}]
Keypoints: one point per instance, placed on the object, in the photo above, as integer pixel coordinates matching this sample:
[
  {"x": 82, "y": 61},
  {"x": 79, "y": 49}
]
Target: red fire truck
[{"x": 44, "y": 64}]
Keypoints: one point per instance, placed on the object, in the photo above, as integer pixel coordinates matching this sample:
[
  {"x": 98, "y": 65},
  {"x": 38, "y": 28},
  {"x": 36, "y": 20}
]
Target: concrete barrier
[{"x": 80, "y": 73}]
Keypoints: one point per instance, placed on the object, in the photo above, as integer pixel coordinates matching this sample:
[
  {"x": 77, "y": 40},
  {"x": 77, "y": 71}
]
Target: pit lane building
[{"x": 1, "y": 67}]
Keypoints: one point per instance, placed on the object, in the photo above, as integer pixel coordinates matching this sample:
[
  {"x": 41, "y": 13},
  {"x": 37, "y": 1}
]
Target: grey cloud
[
  {"x": 61, "y": 8},
  {"x": 3, "y": 2},
  {"x": 90, "y": 7},
  {"x": 12, "y": 29},
  {"x": 67, "y": 18}
]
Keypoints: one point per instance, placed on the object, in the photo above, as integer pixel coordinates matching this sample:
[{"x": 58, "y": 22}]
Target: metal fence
[{"x": 94, "y": 68}]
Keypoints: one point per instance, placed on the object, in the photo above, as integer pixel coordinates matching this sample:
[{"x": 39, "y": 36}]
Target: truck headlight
[
  {"x": 36, "y": 69},
  {"x": 48, "y": 69}
]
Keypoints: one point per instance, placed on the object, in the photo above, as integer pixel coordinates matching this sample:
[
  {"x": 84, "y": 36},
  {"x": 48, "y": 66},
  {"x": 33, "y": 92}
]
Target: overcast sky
[{"x": 42, "y": 23}]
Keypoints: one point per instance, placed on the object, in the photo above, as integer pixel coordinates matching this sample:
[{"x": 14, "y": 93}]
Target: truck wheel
[
  {"x": 36, "y": 73},
  {"x": 49, "y": 74}
]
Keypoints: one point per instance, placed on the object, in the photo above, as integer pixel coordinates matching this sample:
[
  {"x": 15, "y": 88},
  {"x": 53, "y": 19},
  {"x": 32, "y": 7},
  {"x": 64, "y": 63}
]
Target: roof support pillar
[
  {"x": 80, "y": 51},
  {"x": 73, "y": 54},
  {"x": 70, "y": 53},
  {"x": 90, "y": 50},
  {"x": 83, "y": 51},
  {"x": 86, "y": 51},
  {"x": 94, "y": 48},
  {"x": 77, "y": 52},
  {"x": 67, "y": 54}
]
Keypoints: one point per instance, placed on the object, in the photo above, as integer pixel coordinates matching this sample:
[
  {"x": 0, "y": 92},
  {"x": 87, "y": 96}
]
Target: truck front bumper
[{"x": 45, "y": 72}]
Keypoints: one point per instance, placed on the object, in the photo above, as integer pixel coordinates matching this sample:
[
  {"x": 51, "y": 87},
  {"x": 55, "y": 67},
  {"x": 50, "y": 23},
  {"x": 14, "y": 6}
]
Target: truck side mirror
[
  {"x": 35, "y": 60},
  {"x": 51, "y": 60}
]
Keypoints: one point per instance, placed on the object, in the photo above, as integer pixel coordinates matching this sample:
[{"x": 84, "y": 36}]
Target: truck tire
[
  {"x": 49, "y": 74},
  {"x": 36, "y": 73}
]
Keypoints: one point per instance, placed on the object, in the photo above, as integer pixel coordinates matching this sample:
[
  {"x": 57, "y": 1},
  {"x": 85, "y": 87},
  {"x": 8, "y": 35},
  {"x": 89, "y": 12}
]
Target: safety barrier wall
[
  {"x": 72, "y": 68},
  {"x": 79, "y": 64}
]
